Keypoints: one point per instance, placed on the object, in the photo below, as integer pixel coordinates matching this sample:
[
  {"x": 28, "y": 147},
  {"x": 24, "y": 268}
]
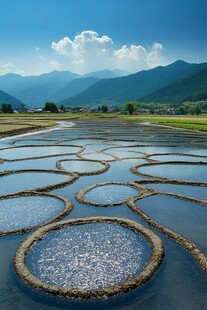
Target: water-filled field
[{"x": 104, "y": 214}]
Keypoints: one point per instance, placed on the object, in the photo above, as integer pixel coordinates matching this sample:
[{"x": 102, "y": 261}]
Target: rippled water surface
[
  {"x": 81, "y": 166},
  {"x": 23, "y": 212},
  {"x": 89, "y": 256},
  {"x": 28, "y": 180},
  {"x": 111, "y": 193}
]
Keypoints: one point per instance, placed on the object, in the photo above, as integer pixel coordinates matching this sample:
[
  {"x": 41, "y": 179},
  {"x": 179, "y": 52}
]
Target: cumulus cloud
[
  {"x": 88, "y": 51},
  {"x": 138, "y": 57},
  {"x": 155, "y": 56}
]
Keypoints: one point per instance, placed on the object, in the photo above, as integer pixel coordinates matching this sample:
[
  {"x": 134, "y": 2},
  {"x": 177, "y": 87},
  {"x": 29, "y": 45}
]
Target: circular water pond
[
  {"x": 19, "y": 214},
  {"x": 24, "y": 180},
  {"x": 186, "y": 218},
  {"x": 32, "y": 142},
  {"x": 123, "y": 153},
  {"x": 92, "y": 257},
  {"x": 82, "y": 167},
  {"x": 82, "y": 142},
  {"x": 107, "y": 194},
  {"x": 21, "y": 152},
  {"x": 181, "y": 157},
  {"x": 197, "y": 192},
  {"x": 97, "y": 156},
  {"x": 185, "y": 171}
]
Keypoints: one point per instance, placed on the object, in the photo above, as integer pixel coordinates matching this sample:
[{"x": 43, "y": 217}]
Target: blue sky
[{"x": 39, "y": 36}]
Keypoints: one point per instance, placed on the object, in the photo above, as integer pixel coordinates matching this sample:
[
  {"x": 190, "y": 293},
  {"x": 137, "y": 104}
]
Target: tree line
[{"x": 131, "y": 107}]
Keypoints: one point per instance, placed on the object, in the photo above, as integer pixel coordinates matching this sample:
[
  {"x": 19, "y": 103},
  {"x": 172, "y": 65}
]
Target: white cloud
[
  {"x": 54, "y": 65},
  {"x": 133, "y": 52},
  {"x": 155, "y": 56},
  {"x": 65, "y": 47},
  {"x": 88, "y": 51},
  {"x": 137, "y": 57},
  {"x": 10, "y": 68}
]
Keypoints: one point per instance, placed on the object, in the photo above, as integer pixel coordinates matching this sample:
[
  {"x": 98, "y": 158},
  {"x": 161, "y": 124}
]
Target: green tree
[
  {"x": 62, "y": 107},
  {"x": 130, "y": 107},
  {"x": 117, "y": 108},
  {"x": 182, "y": 110},
  {"x": 7, "y": 108},
  {"x": 197, "y": 109},
  {"x": 50, "y": 106},
  {"x": 104, "y": 108}
]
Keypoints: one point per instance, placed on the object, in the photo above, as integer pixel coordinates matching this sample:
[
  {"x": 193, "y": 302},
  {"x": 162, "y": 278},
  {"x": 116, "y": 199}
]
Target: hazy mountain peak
[{"x": 135, "y": 86}]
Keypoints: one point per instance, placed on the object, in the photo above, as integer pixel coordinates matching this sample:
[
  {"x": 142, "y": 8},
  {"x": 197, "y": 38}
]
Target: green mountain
[
  {"x": 6, "y": 98},
  {"x": 36, "y": 90},
  {"x": 134, "y": 86},
  {"x": 192, "y": 88},
  {"x": 74, "y": 88},
  {"x": 173, "y": 84},
  {"x": 53, "y": 86}
]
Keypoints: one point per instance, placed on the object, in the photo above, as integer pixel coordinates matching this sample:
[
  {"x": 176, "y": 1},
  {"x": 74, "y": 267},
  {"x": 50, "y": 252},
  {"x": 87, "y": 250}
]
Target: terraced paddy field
[{"x": 104, "y": 214}]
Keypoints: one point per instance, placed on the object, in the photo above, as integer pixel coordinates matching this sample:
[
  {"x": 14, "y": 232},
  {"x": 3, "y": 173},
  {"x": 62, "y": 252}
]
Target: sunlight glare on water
[
  {"x": 89, "y": 256},
  {"x": 22, "y": 212},
  {"x": 111, "y": 193}
]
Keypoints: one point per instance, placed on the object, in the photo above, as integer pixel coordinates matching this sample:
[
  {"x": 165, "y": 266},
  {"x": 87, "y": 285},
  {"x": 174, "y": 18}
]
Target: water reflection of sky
[
  {"x": 28, "y": 180},
  {"x": 197, "y": 192},
  {"x": 179, "y": 158},
  {"x": 192, "y": 172},
  {"x": 81, "y": 166},
  {"x": 24, "y": 152},
  {"x": 186, "y": 218}
]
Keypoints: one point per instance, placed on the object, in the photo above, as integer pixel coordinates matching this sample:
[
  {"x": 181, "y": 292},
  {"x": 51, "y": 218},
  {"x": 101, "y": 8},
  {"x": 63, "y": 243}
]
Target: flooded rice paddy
[
  {"x": 96, "y": 250},
  {"x": 98, "y": 222}
]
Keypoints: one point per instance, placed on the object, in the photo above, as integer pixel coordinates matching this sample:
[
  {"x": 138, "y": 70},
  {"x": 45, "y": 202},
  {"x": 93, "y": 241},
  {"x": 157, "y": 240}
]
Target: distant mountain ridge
[
  {"x": 75, "y": 87},
  {"x": 171, "y": 84},
  {"x": 191, "y": 88},
  {"x": 135, "y": 86},
  {"x": 36, "y": 90}
]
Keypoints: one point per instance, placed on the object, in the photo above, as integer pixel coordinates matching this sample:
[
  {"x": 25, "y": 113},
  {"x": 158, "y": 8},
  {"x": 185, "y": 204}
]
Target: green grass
[{"x": 184, "y": 122}]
